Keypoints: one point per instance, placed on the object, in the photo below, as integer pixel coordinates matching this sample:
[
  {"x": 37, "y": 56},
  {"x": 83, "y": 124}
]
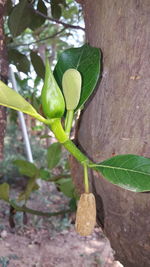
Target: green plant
[
  {"x": 131, "y": 172},
  {"x": 29, "y": 170}
]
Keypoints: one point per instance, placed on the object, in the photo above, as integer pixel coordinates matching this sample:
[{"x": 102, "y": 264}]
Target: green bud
[
  {"x": 52, "y": 99},
  {"x": 71, "y": 83}
]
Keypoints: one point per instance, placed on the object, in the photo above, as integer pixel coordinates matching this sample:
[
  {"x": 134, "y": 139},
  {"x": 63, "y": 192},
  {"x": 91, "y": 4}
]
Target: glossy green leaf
[
  {"x": 4, "y": 191},
  {"x": 26, "y": 168},
  {"x": 11, "y": 99},
  {"x": 20, "y": 18},
  {"x": 19, "y": 60},
  {"x": 67, "y": 187},
  {"x": 86, "y": 60},
  {"x": 130, "y": 172},
  {"x": 37, "y": 64},
  {"x": 53, "y": 155}
]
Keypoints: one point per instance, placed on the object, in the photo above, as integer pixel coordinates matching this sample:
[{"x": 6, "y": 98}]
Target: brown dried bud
[{"x": 86, "y": 214}]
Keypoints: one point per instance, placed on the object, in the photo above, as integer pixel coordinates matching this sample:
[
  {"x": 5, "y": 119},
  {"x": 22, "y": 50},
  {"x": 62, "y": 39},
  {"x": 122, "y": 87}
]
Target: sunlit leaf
[
  {"x": 11, "y": 99},
  {"x": 131, "y": 172}
]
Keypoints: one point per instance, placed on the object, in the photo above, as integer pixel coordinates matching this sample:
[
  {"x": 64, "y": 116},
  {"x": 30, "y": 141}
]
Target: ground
[{"x": 50, "y": 242}]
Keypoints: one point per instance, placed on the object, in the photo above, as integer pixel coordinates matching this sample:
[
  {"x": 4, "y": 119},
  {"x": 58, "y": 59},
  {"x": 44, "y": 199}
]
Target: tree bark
[
  {"x": 117, "y": 120},
  {"x": 3, "y": 75}
]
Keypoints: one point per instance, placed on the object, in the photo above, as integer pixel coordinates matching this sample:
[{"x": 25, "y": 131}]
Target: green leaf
[
  {"x": 11, "y": 99},
  {"x": 38, "y": 64},
  {"x": 20, "y": 18},
  {"x": 130, "y": 172},
  {"x": 44, "y": 174},
  {"x": 4, "y": 192},
  {"x": 73, "y": 204},
  {"x": 26, "y": 168},
  {"x": 67, "y": 187},
  {"x": 53, "y": 155},
  {"x": 19, "y": 60},
  {"x": 38, "y": 20},
  {"x": 55, "y": 10},
  {"x": 86, "y": 60}
]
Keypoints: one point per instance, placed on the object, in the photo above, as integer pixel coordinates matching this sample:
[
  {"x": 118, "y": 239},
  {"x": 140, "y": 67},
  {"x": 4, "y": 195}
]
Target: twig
[
  {"x": 37, "y": 212},
  {"x": 40, "y": 40},
  {"x": 58, "y": 21},
  {"x": 58, "y": 177}
]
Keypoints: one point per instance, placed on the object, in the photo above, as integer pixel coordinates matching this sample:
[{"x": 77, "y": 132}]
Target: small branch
[
  {"x": 66, "y": 25},
  {"x": 36, "y": 212},
  {"x": 58, "y": 177},
  {"x": 40, "y": 40}
]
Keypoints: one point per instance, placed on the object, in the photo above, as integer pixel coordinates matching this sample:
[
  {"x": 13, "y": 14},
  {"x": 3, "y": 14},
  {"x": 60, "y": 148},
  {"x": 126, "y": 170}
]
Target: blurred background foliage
[{"x": 33, "y": 27}]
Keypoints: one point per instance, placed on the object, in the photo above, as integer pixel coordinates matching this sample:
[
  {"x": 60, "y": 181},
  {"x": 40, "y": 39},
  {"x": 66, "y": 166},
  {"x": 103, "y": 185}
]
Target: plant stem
[
  {"x": 69, "y": 119},
  {"x": 58, "y": 177},
  {"x": 37, "y": 212},
  {"x": 62, "y": 137},
  {"x": 86, "y": 180}
]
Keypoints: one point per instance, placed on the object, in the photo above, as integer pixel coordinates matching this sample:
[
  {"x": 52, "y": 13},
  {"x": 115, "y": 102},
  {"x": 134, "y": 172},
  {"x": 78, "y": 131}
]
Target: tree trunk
[
  {"x": 3, "y": 76},
  {"x": 117, "y": 120}
]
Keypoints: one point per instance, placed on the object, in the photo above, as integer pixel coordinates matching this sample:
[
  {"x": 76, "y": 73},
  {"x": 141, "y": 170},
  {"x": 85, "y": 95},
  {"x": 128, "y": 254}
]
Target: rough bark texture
[
  {"x": 117, "y": 120},
  {"x": 3, "y": 75}
]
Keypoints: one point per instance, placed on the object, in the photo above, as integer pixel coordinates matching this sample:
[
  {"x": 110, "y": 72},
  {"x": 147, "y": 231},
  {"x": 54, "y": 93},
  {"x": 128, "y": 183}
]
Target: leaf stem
[
  {"x": 37, "y": 212},
  {"x": 61, "y": 136},
  {"x": 86, "y": 180},
  {"x": 69, "y": 120}
]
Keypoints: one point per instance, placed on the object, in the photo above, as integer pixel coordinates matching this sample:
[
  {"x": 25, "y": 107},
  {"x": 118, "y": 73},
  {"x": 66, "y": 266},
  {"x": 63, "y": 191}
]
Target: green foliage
[
  {"x": 10, "y": 98},
  {"x": 53, "y": 155},
  {"x": 44, "y": 174},
  {"x": 37, "y": 64},
  {"x": 38, "y": 20},
  {"x": 56, "y": 10},
  {"x": 4, "y": 192},
  {"x": 26, "y": 168},
  {"x": 86, "y": 60},
  {"x": 20, "y": 18},
  {"x": 31, "y": 186},
  {"x": 19, "y": 60},
  {"x": 131, "y": 172},
  {"x": 67, "y": 187}
]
